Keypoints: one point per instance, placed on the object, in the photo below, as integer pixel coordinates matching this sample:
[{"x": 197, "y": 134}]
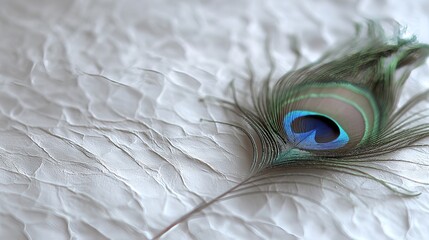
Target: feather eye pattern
[
  {"x": 340, "y": 108},
  {"x": 337, "y": 113}
]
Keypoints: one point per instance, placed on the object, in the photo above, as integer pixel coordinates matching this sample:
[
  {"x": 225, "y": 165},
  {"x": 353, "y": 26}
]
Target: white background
[{"x": 100, "y": 132}]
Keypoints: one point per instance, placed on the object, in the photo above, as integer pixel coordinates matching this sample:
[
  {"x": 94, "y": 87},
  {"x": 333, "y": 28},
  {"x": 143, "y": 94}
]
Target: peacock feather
[{"x": 336, "y": 113}]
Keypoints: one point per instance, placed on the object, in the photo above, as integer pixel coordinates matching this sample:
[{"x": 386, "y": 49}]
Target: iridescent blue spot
[{"x": 314, "y": 131}]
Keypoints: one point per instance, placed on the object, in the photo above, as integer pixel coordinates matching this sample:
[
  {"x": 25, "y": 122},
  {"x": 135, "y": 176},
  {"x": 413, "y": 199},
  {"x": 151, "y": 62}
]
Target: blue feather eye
[
  {"x": 314, "y": 131},
  {"x": 328, "y": 116}
]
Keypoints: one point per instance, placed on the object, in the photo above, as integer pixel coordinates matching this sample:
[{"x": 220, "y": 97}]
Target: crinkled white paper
[{"x": 100, "y": 131}]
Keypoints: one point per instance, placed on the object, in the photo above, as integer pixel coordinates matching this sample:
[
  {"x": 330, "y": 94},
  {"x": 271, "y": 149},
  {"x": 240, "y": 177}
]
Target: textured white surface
[{"x": 94, "y": 145}]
